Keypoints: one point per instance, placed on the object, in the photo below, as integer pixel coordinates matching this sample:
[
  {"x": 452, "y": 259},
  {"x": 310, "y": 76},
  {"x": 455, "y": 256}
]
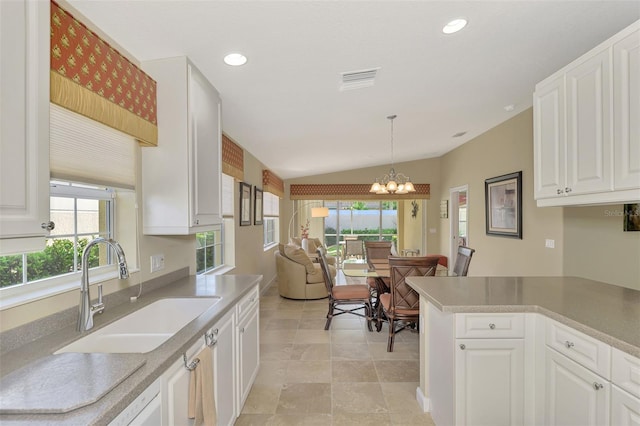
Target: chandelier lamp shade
[{"x": 392, "y": 182}]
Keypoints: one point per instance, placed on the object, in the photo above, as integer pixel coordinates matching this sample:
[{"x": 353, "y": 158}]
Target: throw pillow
[{"x": 299, "y": 256}]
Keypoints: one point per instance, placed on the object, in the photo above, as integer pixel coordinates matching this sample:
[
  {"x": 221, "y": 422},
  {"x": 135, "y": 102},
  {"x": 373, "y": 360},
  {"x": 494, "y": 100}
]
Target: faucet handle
[{"x": 99, "y": 294}]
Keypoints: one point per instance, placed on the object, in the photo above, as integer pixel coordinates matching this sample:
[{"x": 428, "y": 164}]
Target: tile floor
[{"x": 343, "y": 376}]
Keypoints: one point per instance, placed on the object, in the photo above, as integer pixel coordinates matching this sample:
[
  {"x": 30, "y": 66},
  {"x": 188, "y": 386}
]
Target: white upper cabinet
[
  {"x": 587, "y": 127},
  {"x": 626, "y": 111},
  {"x": 24, "y": 125},
  {"x": 181, "y": 182}
]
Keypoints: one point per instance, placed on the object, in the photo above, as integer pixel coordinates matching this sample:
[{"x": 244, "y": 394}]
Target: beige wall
[
  {"x": 596, "y": 246},
  {"x": 504, "y": 149}
]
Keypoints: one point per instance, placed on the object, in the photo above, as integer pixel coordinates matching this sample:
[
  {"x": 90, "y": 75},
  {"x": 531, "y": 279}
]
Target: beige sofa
[
  {"x": 314, "y": 243},
  {"x": 298, "y": 276}
]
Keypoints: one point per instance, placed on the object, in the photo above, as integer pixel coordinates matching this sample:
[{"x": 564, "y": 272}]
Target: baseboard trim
[{"x": 423, "y": 401}]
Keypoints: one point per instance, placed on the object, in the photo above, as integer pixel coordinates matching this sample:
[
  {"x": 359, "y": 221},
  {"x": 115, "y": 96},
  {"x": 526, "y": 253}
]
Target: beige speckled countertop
[
  {"x": 603, "y": 311},
  {"x": 231, "y": 288}
]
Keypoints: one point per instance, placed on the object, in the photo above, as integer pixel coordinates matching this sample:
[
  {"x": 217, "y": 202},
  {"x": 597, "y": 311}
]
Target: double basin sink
[{"x": 145, "y": 329}]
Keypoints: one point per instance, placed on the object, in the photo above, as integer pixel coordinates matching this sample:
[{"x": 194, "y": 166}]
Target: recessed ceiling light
[
  {"x": 235, "y": 59},
  {"x": 454, "y": 26}
]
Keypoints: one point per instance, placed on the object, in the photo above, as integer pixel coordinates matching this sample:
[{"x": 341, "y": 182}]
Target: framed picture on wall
[
  {"x": 257, "y": 206},
  {"x": 503, "y": 204},
  {"x": 632, "y": 217},
  {"x": 245, "y": 204}
]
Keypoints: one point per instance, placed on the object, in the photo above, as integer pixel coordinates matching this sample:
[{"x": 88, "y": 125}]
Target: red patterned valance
[
  {"x": 90, "y": 77},
  {"x": 272, "y": 183},
  {"x": 351, "y": 191},
  {"x": 232, "y": 158}
]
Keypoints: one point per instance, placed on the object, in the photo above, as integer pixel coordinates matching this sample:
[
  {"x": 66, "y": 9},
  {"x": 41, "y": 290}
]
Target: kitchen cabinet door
[
  {"x": 625, "y": 408},
  {"x": 549, "y": 139},
  {"x": 181, "y": 177},
  {"x": 589, "y": 125},
  {"x": 176, "y": 405},
  {"x": 224, "y": 377},
  {"x": 248, "y": 353},
  {"x": 24, "y": 125},
  {"x": 489, "y": 382},
  {"x": 626, "y": 111},
  {"x": 574, "y": 394}
]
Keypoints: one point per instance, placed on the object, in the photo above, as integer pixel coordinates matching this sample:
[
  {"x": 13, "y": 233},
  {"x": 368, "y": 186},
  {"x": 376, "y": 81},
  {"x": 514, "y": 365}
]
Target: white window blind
[
  {"x": 271, "y": 204},
  {"x": 227, "y": 195},
  {"x": 83, "y": 150}
]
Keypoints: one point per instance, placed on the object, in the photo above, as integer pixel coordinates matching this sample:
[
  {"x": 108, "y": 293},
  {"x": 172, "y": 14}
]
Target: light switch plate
[
  {"x": 550, "y": 243},
  {"x": 157, "y": 262}
]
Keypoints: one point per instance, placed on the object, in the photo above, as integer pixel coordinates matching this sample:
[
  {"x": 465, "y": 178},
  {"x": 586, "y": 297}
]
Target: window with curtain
[
  {"x": 271, "y": 204},
  {"x": 84, "y": 202}
]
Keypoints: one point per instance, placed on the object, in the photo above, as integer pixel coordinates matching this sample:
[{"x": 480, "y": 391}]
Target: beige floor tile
[
  {"x": 348, "y": 323},
  {"x": 305, "y": 398},
  {"x": 358, "y": 398},
  {"x": 398, "y": 371},
  {"x": 410, "y": 419},
  {"x": 262, "y": 399},
  {"x": 311, "y": 352},
  {"x": 288, "y": 313},
  {"x": 353, "y": 371},
  {"x": 350, "y": 351},
  {"x": 348, "y": 336},
  {"x": 312, "y": 323},
  {"x": 253, "y": 419},
  {"x": 282, "y": 324},
  {"x": 299, "y": 420},
  {"x": 275, "y": 351},
  {"x": 312, "y": 336},
  {"x": 308, "y": 372},
  {"x": 361, "y": 419},
  {"x": 406, "y": 351},
  {"x": 272, "y": 371},
  {"x": 401, "y": 397},
  {"x": 278, "y": 336}
]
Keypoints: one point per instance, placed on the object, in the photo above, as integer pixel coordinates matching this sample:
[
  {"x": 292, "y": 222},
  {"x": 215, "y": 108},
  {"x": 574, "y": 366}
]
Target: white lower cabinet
[
  {"x": 625, "y": 408},
  {"x": 151, "y": 415},
  {"x": 574, "y": 394},
  {"x": 176, "y": 382},
  {"x": 224, "y": 377},
  {"x": 489, "y": 381},
  {"x": 248, "y": 348}
]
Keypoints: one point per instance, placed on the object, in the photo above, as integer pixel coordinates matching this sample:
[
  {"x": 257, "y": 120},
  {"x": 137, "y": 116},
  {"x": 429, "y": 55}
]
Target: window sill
[
  {"x": 11, "y": 297},
  {"x": 270, "y": 246},
  {"x": 224, "y": 269}
]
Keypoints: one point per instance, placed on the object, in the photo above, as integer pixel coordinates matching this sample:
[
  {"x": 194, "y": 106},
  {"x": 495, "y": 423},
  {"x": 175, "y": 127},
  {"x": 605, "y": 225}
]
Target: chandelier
[{"x": 392, "y": 182}]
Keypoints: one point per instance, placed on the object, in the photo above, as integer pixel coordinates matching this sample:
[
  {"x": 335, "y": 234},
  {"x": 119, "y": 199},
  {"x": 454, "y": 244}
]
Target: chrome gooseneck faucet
[{"x": 86, "y": 309}]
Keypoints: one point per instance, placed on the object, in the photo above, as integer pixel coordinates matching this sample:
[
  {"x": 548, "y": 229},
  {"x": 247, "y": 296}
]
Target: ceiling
[{"x": 285, "y": 107}]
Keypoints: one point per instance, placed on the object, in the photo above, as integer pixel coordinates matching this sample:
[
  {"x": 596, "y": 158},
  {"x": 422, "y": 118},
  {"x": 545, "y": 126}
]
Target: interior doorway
[{"x": 458, "y": 214}]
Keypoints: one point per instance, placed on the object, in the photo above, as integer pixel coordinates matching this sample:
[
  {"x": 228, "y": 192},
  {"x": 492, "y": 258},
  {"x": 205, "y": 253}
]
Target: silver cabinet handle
[
  {"x": 492, "y": 326},
  {"x": 242, "y": 330},
  {"x": 211, "y": 338},
  {"x": 597, "y": 386},
  {"x": 567, "y": 190},
  {"x": 559, "y": 191},
  {"x": 463, "y": 346},
  {"x": 568, "y": 344},
  {"x": 48, "y": 226}
]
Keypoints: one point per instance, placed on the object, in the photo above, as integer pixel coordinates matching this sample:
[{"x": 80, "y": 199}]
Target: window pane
[
  {"x": 62, "y": 214},
  {"x": 200, "y": 266},
  {"x": 10, "y": 270},
  {"x": 55, "y": 259},
  {"x": 209, "y": 257},
  {"x": 89, "y": 216}
]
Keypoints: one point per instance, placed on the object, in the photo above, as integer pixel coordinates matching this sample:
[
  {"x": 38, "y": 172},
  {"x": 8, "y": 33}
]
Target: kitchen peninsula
[{"x": 528, "y": 350}]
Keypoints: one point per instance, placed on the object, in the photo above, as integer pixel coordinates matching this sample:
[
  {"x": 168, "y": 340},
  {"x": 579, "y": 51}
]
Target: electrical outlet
[
  {"x": 549, "y": 243},
  {"x": 157, "y": 262}
]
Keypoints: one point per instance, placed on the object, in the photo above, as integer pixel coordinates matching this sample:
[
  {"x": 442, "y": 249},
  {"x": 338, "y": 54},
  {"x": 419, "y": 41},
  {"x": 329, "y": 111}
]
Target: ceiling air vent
[{"x": 358, "y": 79}]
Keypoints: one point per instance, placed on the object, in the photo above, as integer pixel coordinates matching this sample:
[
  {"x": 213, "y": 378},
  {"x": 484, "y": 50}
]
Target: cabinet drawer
[
  {"x": 625, "y": 371},
  {"x": 494, "y": 326},
  {"x": 247, "y": 302},
  {"x": 585, "y": 350}
]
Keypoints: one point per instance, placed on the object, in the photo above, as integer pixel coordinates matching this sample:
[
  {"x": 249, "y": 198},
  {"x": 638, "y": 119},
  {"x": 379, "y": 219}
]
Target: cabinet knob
[
  {"x": 492, "y": 326},
  {"x": 242, "y": 330},
  {"x": 48, "y": 226},
  {"x": 568, "y": 344},
  {"x": 567, "y": 190},
  {"x": 597, "y": 386},
  {"x": 463, "y": 346},
  {"x": 559, "y": 191}
]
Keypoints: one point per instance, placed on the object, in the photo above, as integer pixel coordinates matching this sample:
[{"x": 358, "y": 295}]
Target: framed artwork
[
  {"x": 245, "y": 204},
  {"x": 503, "y": 204},
  {"x": 632, "y": 217},
  {"x": 257, "y": 206}
]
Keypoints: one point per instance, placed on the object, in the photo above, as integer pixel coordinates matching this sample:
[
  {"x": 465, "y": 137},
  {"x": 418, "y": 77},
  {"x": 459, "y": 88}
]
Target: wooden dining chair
[
  {"x": 345, "y": 299},
  {"x": 353, "y": 248},
  {"x": 463, "y": 259},
  {"x": 377, "y": 253},
  {"x": 401, "y": 306}
]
